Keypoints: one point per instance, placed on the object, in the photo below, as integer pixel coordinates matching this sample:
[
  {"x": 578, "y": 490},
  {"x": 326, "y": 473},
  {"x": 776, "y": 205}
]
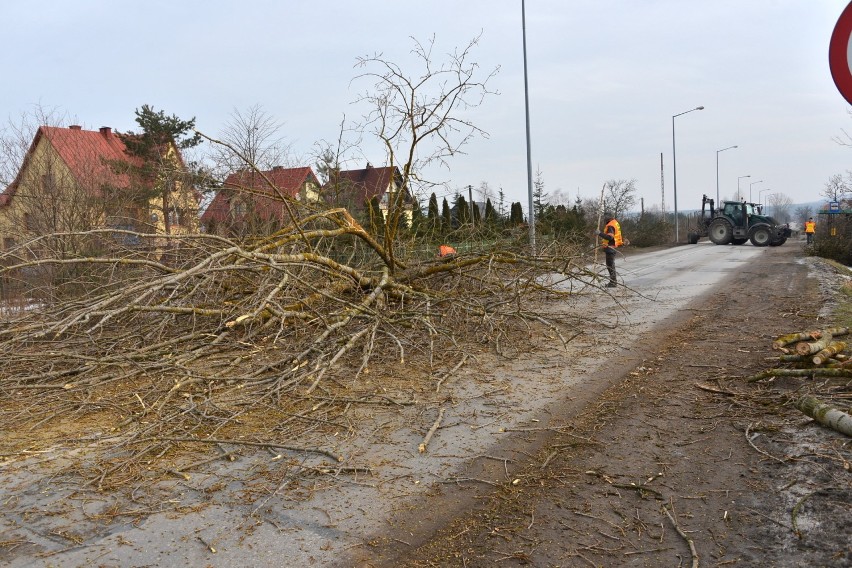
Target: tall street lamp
[
  {"x": 750, "y": 186},
  {"x": 760, "y": 194},
  {"x": 717, "y": 171},
  {"x": 674, "y": 167},
  {"x": 531, "y": 212},
  {"x": 739, "y": 194}
]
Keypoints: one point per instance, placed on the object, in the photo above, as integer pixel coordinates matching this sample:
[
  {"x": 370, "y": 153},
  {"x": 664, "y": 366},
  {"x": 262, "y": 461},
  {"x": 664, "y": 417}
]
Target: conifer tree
[
  {"x": 517, "y": 214},
  {"x": 490, "y": 213},
  {"x": 433, "y": 213},
  {"x": 462, "y": 210},
  {"x": 156, "y": 176},
  {"x": 446, "y": 217}
]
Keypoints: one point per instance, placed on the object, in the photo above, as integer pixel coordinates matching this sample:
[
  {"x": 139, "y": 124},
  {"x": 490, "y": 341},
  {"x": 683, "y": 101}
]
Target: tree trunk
[
  {"x": 830, "y": 351},
  {"x": 789, "y": 338},
  {"x": 815, "y": 346},
  {"x": 825, "y": 415}
]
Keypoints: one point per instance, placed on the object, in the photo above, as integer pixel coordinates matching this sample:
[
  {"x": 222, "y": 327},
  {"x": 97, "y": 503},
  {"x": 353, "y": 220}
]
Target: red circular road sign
[{"x": 840, "y": 54}]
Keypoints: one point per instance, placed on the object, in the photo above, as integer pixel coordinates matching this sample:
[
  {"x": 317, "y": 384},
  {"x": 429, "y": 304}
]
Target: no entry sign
[{"x": 840, "y": 54}]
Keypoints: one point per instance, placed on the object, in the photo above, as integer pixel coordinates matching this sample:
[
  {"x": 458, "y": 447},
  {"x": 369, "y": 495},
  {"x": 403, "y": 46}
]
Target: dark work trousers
[
  {"x": 610, "y": 265},
  {"x": 810, "y": 237}
]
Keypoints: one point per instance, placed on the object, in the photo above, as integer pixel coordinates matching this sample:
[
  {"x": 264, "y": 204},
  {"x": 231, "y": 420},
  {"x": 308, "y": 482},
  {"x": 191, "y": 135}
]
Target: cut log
[
  {"x": 814, "y": 346},
  {"x": 789, "y": 338},
  {"x": 816, "y": 372},
  {"x": 825, "y": 415},
  {"x": 830, "y": 351}
]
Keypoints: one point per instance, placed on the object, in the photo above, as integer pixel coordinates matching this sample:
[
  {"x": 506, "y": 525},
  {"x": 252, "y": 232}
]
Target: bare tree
[
  {"x": 484, "y": 191},
  {"x": 836, "y": 188},
  {"x": 619, "y": 197},
  {"x": 256, "y": 136},
  {"x": 780, "y": 206},
  {"x": 419, "y": 116},
  {"x": 17, "y": 135},
  {"x": 802, "y": 214}
]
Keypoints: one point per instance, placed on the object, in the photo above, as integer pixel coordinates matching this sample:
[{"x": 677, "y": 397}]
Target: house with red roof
[
  {"x": 252, "y": 202},
  {"x": 73, "y": 179},
  {"x": 354, "y": 189}
]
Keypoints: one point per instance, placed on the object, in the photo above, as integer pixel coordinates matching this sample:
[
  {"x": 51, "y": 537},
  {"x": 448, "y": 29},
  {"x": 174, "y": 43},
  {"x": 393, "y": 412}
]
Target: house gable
[
  {"x": 84, "y": 165},
  {"x": 354, "y": 188},
  {"x": 248, "y": 192}
]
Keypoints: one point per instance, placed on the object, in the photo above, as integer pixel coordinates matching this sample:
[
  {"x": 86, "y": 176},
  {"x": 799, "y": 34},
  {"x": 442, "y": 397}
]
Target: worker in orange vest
[
  {"x": 810, "y": 229},
  {"x": 612, "y": 239}
]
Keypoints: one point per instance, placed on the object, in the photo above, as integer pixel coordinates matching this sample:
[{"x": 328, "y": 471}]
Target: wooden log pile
[{"x": 812, "y": 354}]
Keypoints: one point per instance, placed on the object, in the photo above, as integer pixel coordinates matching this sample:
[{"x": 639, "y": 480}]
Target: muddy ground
[{"x": 680, "y": 463}]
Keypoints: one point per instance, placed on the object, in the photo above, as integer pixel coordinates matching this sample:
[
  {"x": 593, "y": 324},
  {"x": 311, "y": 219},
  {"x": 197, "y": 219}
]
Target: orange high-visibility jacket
[
  {"x": 615, "y": 232},
  {"x": 810, "y": 227}
]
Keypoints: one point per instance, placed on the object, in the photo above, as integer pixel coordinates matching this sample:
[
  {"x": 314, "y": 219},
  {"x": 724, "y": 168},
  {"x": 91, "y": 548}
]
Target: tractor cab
[{"x": 739, "y": 215}]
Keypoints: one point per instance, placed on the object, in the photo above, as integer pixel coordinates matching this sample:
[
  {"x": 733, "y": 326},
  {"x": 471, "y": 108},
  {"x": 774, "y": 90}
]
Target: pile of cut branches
[{"x": 199, "y": 341}]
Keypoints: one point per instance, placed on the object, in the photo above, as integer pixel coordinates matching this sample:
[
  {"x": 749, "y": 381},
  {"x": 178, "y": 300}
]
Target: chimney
[
  {"x": 277, "y": 168},
  {"x": 75, "y": 127},
  {"x": 369, "y": 165},
  {"x": 106, "y": 130}
]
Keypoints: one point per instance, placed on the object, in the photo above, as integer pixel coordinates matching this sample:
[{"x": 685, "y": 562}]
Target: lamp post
[
  {"x": 750, "y": 186},
  {"x": 531, "y": 213},
  {"x": 717, "y": 171},
  {"x": 740, "y": 195},
  {"x": 674, "y": 168},
  {"x": 760, "y": 200}
]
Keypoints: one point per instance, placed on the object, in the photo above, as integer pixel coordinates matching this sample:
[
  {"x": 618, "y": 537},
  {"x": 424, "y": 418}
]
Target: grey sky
[{"x": 605, "y": 76}]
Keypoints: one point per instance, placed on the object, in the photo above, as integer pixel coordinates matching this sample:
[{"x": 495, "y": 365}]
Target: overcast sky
[{"x": 605, "y": 79}]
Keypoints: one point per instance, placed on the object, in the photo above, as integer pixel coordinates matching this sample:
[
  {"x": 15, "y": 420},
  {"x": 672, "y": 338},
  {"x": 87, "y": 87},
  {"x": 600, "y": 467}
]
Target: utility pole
[
  {"x": 472, "y": 205},
  {"x": 662, "y": 187}
]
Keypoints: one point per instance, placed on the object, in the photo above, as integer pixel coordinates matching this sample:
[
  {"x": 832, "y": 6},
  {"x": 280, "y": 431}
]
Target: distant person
[
  {"x": 612, "y": 239},
  {"x": 810, "y": 229}
]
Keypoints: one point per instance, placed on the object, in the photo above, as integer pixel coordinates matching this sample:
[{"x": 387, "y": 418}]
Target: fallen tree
[
  {"x": 825, "y": 414},
  {"x": 264, "y": 340}
]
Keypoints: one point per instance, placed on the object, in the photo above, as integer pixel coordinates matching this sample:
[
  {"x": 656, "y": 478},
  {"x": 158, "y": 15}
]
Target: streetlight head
[
  {"x": 734, "y": 146},
  {"x": 699, "y": 108}
]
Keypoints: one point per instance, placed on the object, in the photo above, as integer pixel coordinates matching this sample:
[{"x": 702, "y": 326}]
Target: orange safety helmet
[{"x": 446, "y": 250}]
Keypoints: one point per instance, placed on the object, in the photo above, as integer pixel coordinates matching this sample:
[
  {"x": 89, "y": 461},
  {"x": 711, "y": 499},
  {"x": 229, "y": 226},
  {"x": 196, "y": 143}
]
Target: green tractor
[{"x": 737, "y": 222}]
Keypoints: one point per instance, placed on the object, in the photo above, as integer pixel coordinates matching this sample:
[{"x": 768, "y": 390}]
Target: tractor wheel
[
  {"x": 739, "y": 241},
  {"x": 720, "y": 232},
  {"x": 692, "y": 238},
  {"x": 760, "y": 236},
  {"x": 779, "y": 242}
]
